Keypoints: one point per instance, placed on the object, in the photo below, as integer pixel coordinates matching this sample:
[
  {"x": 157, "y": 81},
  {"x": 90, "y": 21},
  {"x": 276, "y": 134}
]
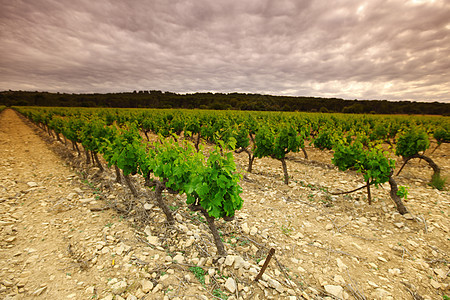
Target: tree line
[{"x": 221, "y": 101}]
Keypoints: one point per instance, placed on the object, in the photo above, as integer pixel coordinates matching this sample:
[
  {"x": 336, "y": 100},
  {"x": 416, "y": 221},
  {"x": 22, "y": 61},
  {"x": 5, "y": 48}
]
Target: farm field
[{"x": 60, "y": 236}]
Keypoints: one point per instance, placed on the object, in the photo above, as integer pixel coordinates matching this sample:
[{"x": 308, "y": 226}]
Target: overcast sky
[{"x": 351, "y": 49}]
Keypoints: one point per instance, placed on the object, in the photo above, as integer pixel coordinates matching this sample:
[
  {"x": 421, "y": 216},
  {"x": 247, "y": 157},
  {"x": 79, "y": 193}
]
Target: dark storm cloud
[{"x": 350, "y": 49}]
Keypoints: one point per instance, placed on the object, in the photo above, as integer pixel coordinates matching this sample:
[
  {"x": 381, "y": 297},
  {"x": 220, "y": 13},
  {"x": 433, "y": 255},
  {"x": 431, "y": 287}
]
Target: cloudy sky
[{"x": 352, "y": 49}]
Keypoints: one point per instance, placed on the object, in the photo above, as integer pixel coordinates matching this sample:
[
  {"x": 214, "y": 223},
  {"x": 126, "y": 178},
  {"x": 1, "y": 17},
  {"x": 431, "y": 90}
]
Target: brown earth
[{"x": 61, "y": 238}]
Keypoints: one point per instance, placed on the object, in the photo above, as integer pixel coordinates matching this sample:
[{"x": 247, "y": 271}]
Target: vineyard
[{"x": 258, "y": 181}]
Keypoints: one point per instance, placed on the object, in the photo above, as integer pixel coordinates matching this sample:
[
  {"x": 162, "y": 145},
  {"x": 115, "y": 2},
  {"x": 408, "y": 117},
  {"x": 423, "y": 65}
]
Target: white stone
[
  {"x": 363, "y": 220},
  {"x": 245, "y": 228},
  {"x": 86, "y": 200},
  {"x": 399, "y": 225},
  {"x": 148, "y": 206},
  {"x": 394, "y": 271},
  {"x": 381, "y": 294},
  {"x": 32, "y": 184},
  {"x": 276, "y": 285},
  {"x": 230, "y": 285},
  {"x": 229, "y": 260},
  {"x": 339, "y": 279},
  {"x": 335, "y": 290},
  {"x": 119, "y": 287},
  {"x": 408, "y": 216},
  {"x": 435, "y": 284},
  {"x": 178, "y": 258},
  {"x": 329, "y": 226},
  {"x": 441, "y": 273},
  {"x": 119, "y": 249},
  {"x": 179, "y": 218},
  {"x": 153, "y": 240},
  {"x": 239, "y": 262},
  {"x": 253, "y": 230},
  {"x": 146, "y": 285},
  {"x": 382, "y": 259},
  {"x": 340, "y": 264}
]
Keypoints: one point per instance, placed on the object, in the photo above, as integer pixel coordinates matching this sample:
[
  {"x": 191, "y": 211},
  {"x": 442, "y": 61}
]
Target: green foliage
[
  {"x": 57, "y": 124},
  {"x": 438, "y": 182},
  {"x": 241, "y": 135},
  {"x": 442, "y": 134},
  {"x": 92, "y": 134},
  {"x": 324, "y": 140},
  {"x": 219, "y": 294},
  {"x": 402, "y": 192},
  {"x": 215, "y": 186},
  {"x": 125, "y": 149},
  {"x": 72, "y": 128},
  {"x": 277, "y": 143},
  {"x": 199, "y": 273},
  {"x": 411, "y": 142},
  {"x": 373, "y": 163},
  {"x": 211, "y": 183}
]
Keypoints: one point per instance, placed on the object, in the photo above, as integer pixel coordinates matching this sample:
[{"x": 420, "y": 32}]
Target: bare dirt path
[
  {"x": 43, "y": 222},
  {"x": 34, "y": 259}
]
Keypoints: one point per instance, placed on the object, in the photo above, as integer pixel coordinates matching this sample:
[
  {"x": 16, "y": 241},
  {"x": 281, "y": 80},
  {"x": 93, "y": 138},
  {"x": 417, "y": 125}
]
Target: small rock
[
  {"x": 148, "y": 206},
  {"x": 245, "y": 228},
  {"x": 39, "y": 291},
  {"x": 229, "y": 260},
  {"x": 441, "y": 273},
  {"x": 381, "y": 294},
  {"x": 32, "y": 184},
  {"x": 340, "y": 264},
  {"x": 435, "y": 284},
  {"x": 276, "y": 285},
  {"x": 119, "y": 249},
  {"x": 154, "y": 240},
  {"x": 7, "y": 283},
  {"x": 329, "y": 226},
  {"x": 382, "y": 259},
  {"x": 408, "y": 216},
  {"x": 157, "y": 288},
  {"x": 372, "y": 284},
  {"x": 413, "y": 244},
  {"x": 339, "y": 279},
  {"x": 146, "y": 285},
  {"x": 178, "y": 258},
  {"x": 179, "y": 218},
  {"x": 119, "y": 287},
  {"x": 253, "y": 230},
  {"x": 363, "y": 220},
  {"x": 399, "y": 225},
  {"x": 335, "y": 290},
  {"x": 230, "y": 285},
  {"x": 86, "y": 200},
  {"x": 394, "y": 271}
]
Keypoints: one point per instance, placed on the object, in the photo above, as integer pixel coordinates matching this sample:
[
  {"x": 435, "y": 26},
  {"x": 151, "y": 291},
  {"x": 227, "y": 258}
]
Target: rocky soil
[{"x": 67, "y": 232}]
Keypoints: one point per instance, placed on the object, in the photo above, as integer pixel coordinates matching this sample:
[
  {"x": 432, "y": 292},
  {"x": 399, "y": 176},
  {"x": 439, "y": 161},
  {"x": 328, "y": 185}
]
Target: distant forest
[{"x": 221, "y": 101}]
